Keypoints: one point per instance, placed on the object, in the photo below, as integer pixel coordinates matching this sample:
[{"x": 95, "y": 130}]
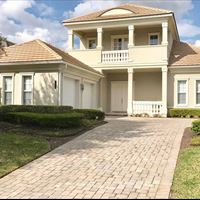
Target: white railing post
[
  {"x": 148, "y": 107},
  {"x": 115, "y": 56}
]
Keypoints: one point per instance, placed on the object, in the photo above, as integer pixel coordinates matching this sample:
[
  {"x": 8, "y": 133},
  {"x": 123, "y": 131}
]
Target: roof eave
[
  {"x": 32, "y": 62},
  {"x": 66, "y": 22}
]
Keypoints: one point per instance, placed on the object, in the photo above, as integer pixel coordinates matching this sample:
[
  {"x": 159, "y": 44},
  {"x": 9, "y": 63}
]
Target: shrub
[
  {"x": 63, "y": 120},
  {"x": 196, "y": 126},
  {"x": 35, "y": 109},
  {"x": 184, "y": 112},
  {"x": 91, "y": 113}
]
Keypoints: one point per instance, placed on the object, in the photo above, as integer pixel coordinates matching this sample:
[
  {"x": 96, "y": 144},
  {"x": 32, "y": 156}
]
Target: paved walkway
[{"x": 125, "y": 158}]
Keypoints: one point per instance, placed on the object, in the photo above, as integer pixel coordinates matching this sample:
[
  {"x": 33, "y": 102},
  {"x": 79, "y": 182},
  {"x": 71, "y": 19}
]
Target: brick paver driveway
[{"x": 125, "y": 158}]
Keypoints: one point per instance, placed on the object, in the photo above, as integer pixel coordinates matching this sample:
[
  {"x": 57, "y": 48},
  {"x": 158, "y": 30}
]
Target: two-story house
[
  {"x": 130, "y": 60},
  {"x": 139, "y": 52}
]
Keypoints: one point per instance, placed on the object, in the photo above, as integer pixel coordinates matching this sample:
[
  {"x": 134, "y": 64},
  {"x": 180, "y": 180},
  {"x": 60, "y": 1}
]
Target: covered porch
[{"x": 135, "y": 91}]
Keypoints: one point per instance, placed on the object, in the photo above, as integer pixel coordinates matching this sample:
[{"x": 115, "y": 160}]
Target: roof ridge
[
  {"x": 147, "y": 7},
  {"x": 43, "y": 44}
]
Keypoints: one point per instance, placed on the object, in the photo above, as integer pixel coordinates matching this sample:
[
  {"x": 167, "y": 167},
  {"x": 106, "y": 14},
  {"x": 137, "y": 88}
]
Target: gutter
[
  {"x": 31, "y": 63},
  {"x": 80, "y": 68}
]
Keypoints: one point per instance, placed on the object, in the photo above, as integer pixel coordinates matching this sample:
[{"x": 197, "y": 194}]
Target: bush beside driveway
[{"x": 27, "y": 132}]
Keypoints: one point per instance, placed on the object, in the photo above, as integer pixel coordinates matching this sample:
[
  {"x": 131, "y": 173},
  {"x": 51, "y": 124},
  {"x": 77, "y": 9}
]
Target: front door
[{"x": 119, "y": 92}]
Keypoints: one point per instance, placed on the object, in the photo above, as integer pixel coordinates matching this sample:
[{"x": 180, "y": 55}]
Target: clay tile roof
[
  {"x": 183, "y": 54},
  {"x": 136, "y": 10},
  {"x": 38, "y": 51}
]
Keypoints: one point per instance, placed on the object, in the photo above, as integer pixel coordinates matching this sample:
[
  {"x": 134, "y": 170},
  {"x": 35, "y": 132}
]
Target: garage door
[
  {"x": 70, "y": 92},
  {"x": 88, "y": 95}
]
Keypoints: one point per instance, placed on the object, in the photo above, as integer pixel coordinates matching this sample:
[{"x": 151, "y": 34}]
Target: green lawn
[
  {"x": 186, "y": 182},
  {"x": 17, "y": 150}
]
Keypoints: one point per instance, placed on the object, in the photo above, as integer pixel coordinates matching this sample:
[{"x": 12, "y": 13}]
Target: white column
[
  {"x": 165, "y": 33},
  {"x": 164, "y": 90},
  {"x": 99, "y": 38},
  {"x": 70, "y": 39},
  {"x": 131, "y": 36},
  {"x": 130, "y": 91}
]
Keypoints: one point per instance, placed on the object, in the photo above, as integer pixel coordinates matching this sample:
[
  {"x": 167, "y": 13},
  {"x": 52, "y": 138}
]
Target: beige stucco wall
[
  {"x": 141, "y": 36},
  {"x": 147, "y": 86},
  {"x": 44, "y": 92},
  {"x": 44, "y": 88},
  {"x": 191, "y": 78}
]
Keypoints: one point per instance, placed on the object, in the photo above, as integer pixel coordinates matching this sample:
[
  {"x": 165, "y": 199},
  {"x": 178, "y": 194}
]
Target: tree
[{"x": 2, "y": 43}]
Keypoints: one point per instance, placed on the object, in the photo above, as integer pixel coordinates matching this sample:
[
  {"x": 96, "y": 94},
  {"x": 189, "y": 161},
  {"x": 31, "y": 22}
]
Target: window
[
  {"x": 182, "y": 92},
  {"x": 27, "y": 90},
  {"x": 92, "y": 43},
  {"x": 7, "y": 90},
  {"x": 198, "y": 92},
  {"x": 120, "y": 43},
  {"x": 153, "y": 39}
]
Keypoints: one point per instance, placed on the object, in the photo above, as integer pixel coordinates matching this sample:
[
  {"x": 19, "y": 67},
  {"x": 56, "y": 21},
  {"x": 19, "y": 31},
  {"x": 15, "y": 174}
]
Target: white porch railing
[
  {"x": 115, "y": 56},
  {"x": 148, "y": 107}
]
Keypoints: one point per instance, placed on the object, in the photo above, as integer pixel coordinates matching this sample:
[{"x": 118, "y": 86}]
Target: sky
[{"x": 24, "y": 20}]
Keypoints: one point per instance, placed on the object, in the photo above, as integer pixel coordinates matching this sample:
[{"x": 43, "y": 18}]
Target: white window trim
[
  {"x": 13, "y": 86},
  {"x": 22, "y": 87},
  {"x": 91, "y": 38},
  {"x": 195, "y": 92},
  {"x": 176, "y": 92},
  {"x": 150, "y": 34},
  {"x": 118, "y": 37}
]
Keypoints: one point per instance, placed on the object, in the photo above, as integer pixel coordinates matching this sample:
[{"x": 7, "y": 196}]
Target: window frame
[
  {"x": 177, "y": 92},
  {"x": 88, "y": 42},
  {"x": 149, "y": 38},
  {"x": 195, "y": 92},
  {"x": 22, "y": 87},
  {"x": 12, "y": 75},
  {"x": 123, "y": 37}
]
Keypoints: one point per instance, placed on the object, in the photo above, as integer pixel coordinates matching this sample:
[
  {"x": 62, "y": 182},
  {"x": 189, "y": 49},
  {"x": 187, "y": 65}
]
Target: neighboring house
[{"x": 133, "y": 60}]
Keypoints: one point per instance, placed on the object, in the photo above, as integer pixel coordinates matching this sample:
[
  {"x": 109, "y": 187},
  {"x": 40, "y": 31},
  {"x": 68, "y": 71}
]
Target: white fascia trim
[
  {"x": 32, "y": 63},
  {"x": 113, "y": 20},
  {"x": 84, "y": 69}
]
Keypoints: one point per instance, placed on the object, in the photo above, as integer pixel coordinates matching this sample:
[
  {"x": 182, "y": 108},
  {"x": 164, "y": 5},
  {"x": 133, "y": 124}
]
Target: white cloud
[
  {"x": 86, "y": 6},
  {"x": 45, "y": 10},
  {"x": 19, "y": 25},
  {"x": 188, "y": 29},
  {"x": 27, "y": 35},
  {"x": 197, "y": 43}
]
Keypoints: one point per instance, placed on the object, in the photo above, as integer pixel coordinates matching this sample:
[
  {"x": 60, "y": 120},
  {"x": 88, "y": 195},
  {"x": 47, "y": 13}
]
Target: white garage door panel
[
  {"x": 87, "y": 95},
  {"x": 69, "y": 92}
]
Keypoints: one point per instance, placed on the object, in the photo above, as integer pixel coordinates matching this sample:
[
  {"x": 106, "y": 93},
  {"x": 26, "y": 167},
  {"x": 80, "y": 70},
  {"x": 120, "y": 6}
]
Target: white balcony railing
[
  {"x": 115, "y": 56},
  {"x": 148, "y": 107}
]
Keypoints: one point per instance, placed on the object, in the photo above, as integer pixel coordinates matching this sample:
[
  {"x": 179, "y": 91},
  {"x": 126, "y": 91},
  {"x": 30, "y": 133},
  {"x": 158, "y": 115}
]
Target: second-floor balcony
[
  {"x": 124, "y": 45},
  {"x": 115, "y": 56}
]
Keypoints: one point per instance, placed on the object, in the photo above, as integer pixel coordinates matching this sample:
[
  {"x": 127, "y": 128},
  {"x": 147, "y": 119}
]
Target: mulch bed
[
  {"x": 54, "y": 141},
  {"x": 186, "y": 139}
]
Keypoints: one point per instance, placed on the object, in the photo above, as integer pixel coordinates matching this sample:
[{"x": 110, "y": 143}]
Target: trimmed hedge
[
  {"x": 184, "y": 112},
  {"x": 196, "y": 126},
  {"x": 63, "y": 120},
  {"x": 35, "y": 109},
  {"x": 91, "y": 113}
]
